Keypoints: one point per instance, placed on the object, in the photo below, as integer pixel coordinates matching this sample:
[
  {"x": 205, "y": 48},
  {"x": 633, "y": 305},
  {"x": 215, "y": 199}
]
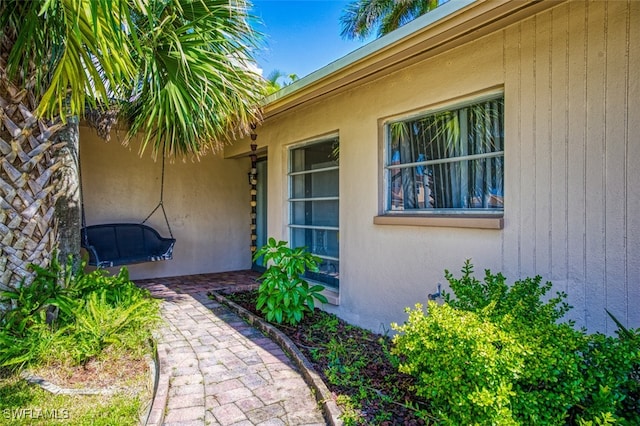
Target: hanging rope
[{"x": 161, "y": 203}]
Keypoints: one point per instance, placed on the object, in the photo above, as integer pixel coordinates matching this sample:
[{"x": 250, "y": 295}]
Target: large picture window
[
  {"x": 314, "y": 205},
  {"x": 448, "y": 161}
]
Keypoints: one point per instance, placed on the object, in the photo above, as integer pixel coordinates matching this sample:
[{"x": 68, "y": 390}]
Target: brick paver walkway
[{"x": 217, "y": 370}]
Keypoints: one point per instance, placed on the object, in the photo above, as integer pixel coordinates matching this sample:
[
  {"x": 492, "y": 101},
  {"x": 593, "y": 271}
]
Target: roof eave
[{"x": 452, "y": 24}]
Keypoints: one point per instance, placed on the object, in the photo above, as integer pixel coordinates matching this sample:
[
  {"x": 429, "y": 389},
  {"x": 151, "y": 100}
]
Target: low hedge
[{"x": 500, "y": 354}]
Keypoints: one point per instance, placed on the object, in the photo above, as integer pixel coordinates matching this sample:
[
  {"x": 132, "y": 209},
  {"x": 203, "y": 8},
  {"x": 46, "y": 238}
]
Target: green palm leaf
[
  {"x": 77, "y": 45},
  {"x": 181, "y": 70},
  {"x": 362, "y": 17},
  {"x": 196, "y": 85}
]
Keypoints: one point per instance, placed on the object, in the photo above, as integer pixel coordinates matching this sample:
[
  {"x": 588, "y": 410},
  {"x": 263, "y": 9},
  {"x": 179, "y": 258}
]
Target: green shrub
[
  {"x": 35, "y": 303},
  {"x": 117, "y": 290},
  {"x": 498, "y": 354},
  {"x": 611, "y": 372},
  {"x": 74, "y": 315},
  {"x": 283, "y": 294},
  {"x": 523, "y": 300},
  {"x": 31, "y": 347}
]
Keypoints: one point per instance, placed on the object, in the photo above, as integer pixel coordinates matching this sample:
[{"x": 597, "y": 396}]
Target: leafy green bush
[
  {"x": 34, "y": 303},
  {"x": 611, "y": 372},
  {"x": 522, "y": 300},
  {"x": 283, "y": 293},
  {"x": 497, "y": 354},
  {"x": 67, "y": 314},
  {"x": 18, "y": 351}
]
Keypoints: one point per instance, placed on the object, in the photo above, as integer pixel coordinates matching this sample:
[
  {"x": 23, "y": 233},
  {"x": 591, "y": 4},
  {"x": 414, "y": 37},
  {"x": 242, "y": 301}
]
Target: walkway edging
[
  {"x": 155, "y": 413},
  {"x": 322, "y": 394}
]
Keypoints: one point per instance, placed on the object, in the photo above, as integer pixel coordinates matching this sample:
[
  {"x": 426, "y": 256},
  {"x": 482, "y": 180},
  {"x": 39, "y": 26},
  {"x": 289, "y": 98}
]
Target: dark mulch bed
[{"x": 353, "y": 362}]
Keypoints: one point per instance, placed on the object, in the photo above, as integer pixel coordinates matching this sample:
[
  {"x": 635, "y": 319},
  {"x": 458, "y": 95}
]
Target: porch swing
[{"x": 118, "y": 244}]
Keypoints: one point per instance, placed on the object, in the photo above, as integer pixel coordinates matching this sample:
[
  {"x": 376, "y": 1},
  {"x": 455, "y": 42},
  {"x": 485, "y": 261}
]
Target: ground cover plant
[
  {"x": 491, "y": 353},
  {"x": 76, "y": 330},
  {"x": 24, "y": 404}
]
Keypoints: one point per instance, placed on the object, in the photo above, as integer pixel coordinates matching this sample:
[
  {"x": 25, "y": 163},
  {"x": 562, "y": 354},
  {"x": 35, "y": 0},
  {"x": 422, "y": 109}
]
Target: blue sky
[{"x": 301, "y": 35}]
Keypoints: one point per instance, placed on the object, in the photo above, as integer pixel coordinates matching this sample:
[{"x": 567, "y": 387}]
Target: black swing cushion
[{"x": 119, "y": 244}]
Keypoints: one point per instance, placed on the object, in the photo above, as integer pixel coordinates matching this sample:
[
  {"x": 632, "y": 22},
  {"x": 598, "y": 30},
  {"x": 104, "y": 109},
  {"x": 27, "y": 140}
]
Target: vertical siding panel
[
  {"x": 633, "y": 166},
  {"x": 576, "y": 165},
  {"x": 542, "y": 143},
  {"x": 595, "y": 197},
  {"x": 528, "y": 149},
  {"x": 615, "y": 125},
  {"x": 559, "y": 140},
  {"x": 511, "y": 233}
]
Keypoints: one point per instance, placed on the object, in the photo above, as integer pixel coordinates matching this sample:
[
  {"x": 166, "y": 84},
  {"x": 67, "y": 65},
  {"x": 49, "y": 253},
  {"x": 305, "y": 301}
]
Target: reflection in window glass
[
  {"x": 448, "y": 161},
  {"x": 314, "y": 206}
]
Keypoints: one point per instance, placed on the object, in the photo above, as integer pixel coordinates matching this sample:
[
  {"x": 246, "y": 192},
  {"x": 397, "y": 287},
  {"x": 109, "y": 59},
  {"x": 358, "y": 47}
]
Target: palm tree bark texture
[{"x": 28, "y": 181}]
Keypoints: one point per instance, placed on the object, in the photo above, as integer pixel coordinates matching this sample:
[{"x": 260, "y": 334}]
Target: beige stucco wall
[
  {"x": 207, "y": 204},
  {"x": 570, "y": 80}
]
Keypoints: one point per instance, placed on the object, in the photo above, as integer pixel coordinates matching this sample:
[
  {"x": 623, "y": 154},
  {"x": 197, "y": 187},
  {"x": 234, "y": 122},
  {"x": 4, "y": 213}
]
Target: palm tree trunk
[
  {"x": 68, "y": 205},
  {"x": 27, "y": 186}
]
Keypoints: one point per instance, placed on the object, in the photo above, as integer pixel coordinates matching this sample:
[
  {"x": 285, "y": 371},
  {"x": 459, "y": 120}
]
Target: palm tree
[
  {"x": 361, "y": 17},
  {"x": 277, "y": 79},
  {"x": 180, "y": 72}
]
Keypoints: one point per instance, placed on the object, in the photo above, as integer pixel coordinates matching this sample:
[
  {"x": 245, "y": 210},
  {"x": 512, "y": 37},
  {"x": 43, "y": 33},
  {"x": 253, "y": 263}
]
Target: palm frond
[
  {"x": 402, "y": 12},
  {"x": 75, "y": 46},
  {"x": 361, "y": 17},
  {"x": 196, "y": 82},
  {"x": 182, "y": 70}
]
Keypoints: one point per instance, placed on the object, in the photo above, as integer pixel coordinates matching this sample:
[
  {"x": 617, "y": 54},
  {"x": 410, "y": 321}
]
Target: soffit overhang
[{"x": 450, "y": 25}]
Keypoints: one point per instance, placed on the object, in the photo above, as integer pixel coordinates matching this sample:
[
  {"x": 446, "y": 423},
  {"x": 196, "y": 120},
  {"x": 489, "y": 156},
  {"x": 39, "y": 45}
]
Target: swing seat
[{"x": 119, "y": 244}]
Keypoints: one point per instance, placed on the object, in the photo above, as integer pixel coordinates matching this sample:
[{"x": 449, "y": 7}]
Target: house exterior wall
[
  {"x": 574, "y": 93},
  {"x": 572, "y": 159},
  {"x": 207, "y": 204}
]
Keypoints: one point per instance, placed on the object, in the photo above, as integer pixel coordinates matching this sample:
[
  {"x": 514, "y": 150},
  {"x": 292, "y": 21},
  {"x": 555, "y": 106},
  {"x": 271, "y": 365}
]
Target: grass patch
[
  {"x": 25, "y": 404},
  {"x": 76, "y": 331}
]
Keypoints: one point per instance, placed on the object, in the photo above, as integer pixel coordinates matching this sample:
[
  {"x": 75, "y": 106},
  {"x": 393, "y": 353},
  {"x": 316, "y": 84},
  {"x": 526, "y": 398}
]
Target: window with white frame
[
  {"x": 447, "y": 161},
  {"x": 314, "y": 205}
]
